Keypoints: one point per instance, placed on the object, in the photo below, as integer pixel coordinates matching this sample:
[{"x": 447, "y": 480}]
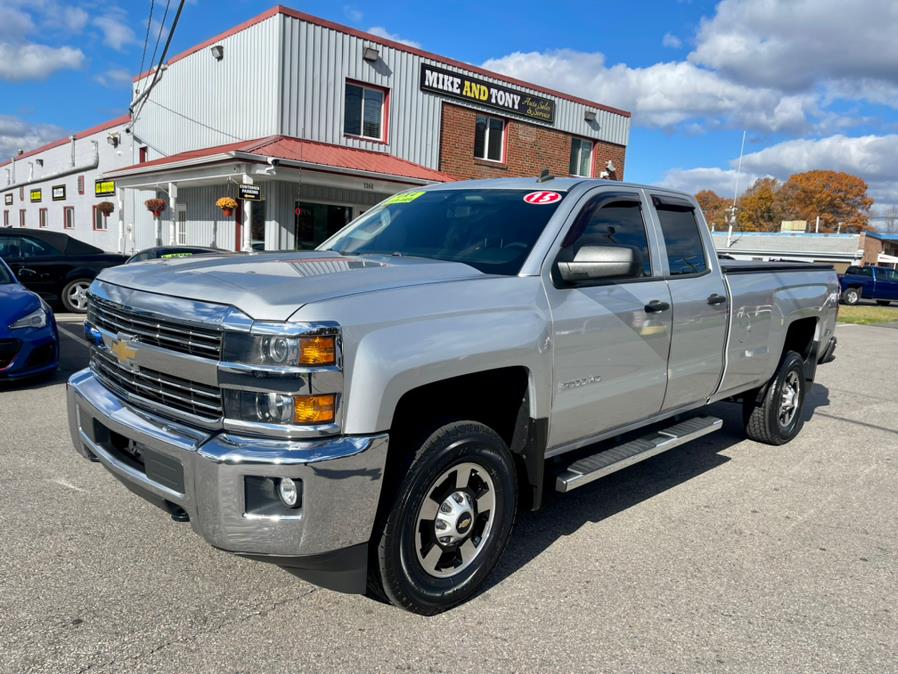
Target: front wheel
[
  {"x": 774, "y": 415},
  {"x": 451, "y": 520},
  {"x": 851, "y": 296},
  {"x": 74, "y": 295}
]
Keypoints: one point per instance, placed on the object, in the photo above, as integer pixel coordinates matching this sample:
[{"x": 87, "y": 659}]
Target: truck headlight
[
  {"x": 36, "y": 319},
  {"x": 280, "y": 408},
  {"x": 286, "y": 350}
]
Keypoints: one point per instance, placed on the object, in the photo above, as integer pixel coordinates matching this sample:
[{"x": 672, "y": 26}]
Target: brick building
[{"x": 308, "y": 123}]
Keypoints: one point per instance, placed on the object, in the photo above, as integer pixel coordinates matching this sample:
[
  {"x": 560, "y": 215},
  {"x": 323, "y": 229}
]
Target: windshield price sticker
[
  {"x": 541, "y": 198},
  {"x": 403, "y": 198}
]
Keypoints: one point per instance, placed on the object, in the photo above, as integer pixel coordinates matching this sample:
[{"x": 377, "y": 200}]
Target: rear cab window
[{"x": 682, "y": 236}]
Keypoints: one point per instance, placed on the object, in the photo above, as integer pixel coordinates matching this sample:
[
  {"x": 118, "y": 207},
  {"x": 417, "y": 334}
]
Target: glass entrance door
[{"x": 313, "y": 223}]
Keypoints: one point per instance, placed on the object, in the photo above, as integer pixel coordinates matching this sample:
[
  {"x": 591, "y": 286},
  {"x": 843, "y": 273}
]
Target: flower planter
[{"x": 227, "y": 212}]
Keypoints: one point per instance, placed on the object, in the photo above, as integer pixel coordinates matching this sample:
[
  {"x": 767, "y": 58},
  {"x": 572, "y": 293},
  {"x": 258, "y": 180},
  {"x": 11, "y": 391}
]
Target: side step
[{"x": 589, "y": 468}]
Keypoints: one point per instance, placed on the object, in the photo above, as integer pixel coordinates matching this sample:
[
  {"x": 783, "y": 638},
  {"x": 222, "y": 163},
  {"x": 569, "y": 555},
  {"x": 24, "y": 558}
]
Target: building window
[
  {"x": 364, "y": 112},
  {"x": 22, "y": 193},
  {"x": 182, "y": 226},
  {"x": 21, "y": 217},
  {"x": 80, "y": 184},
  {"x": 489, "y": 138},
  {"x": 6, "y": 218},
  {"x": 581, "y": 158},
  {"x": 142, "y": 154},
  {"x": 68, "y": 217},
  {"x": 100, "y": 224},
  {"x": 42, "y": 217}
]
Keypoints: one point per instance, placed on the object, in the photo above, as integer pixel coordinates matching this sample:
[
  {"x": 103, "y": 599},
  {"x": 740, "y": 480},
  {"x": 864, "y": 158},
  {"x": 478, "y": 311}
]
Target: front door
[
  {"x": 699, "y": 298},
  {"x": 611, "y": 337}
]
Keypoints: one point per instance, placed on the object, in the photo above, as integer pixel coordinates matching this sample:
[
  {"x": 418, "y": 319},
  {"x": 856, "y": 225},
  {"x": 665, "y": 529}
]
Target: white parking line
[{"x": 63, "y": 483}]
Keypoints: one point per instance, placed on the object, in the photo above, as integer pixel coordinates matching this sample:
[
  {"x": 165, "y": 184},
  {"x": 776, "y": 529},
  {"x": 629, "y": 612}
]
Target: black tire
[
  {"x": 765, "y": 415},
  {"x": 397, "y": 571},
  {"x": 72, "y": 295},
  {"x": 883, "y": 303},
  {"x": 851, "y": 296}
]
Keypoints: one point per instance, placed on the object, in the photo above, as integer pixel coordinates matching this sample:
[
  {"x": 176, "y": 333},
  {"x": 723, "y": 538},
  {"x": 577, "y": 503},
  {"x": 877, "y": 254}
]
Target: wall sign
[
  {"x": 457, "y": 85},
  {"x": 7, "y": 198},
  {"x": 249, "y": 192},
  {"x": 58, "y": 193},
  {"x": 36, "y": 196},
  {"x": 104, "y": 188}
]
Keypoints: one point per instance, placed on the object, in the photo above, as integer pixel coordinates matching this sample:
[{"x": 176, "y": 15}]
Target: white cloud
[
  {"x": 721, "y": 181},
  {"x": 114, "y": 77},
  {"x": 672, "y": 41},
  {"x": 662, "y": 95},
  {"x": 380, "y": 31},
  {"x": 794, "y": 44},
  {"x": 117, "y": 34},
  {"x": 14, "y": 23},
  {"x": 354, "y": 14},
  {"x": 36, "y": 61},
  {"x": 16, "y": 134}
]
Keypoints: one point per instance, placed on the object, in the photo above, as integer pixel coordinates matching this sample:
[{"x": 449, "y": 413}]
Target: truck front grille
[
  {"x": 149, "y": 329},
  {"x": 158, "y": 389}
]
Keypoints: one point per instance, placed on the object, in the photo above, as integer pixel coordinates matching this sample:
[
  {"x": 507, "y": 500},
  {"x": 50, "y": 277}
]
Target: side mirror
[{"x": 597, "y": 262}]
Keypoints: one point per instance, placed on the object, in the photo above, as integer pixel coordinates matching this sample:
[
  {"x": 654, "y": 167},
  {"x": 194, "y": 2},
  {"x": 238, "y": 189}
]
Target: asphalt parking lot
[{"x": 724, "y": 555}]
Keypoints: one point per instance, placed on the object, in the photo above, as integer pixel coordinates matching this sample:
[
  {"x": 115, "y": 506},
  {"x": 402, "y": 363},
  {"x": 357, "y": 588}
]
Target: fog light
[{"x": 289, "y": 492}]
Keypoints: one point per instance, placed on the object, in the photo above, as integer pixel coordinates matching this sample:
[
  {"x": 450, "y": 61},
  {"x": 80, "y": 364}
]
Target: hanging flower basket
[
  {"x": 227, "y": 206},
  {"x": 106, "y": 208},
  {"x": 155, "y": 206}
]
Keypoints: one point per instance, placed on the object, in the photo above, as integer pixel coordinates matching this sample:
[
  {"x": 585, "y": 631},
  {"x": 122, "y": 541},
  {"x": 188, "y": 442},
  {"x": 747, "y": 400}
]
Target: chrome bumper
[{"x": 341, "y": 477}]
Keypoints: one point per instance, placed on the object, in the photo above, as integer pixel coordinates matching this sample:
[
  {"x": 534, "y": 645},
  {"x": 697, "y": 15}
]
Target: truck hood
[{"x": 272, "y": 286}]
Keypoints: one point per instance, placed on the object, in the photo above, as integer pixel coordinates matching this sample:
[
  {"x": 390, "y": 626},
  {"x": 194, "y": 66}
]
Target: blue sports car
[{"x": 29, "y": 342}]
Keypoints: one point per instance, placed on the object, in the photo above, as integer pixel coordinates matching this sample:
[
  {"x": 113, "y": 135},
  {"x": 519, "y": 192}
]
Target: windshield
[
  {"x": 490, "y": 230},
  {"x": 5, "y": 275}
]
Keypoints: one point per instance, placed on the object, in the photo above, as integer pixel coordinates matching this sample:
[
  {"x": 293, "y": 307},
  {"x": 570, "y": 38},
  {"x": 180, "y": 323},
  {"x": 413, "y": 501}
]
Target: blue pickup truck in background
[{"x": 869, "y": 283}]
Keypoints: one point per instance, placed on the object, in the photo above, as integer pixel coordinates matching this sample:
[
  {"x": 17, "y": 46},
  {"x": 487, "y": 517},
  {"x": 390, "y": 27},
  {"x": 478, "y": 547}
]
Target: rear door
[
  {"x": 699, "y": 299},
  {"x": 886, "y": 284},
  {"x": 611, "y": 337}
]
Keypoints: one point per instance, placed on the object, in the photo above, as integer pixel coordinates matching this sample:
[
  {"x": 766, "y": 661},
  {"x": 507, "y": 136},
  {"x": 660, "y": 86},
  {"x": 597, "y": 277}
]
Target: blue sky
[{"x": 813, "y": 82}]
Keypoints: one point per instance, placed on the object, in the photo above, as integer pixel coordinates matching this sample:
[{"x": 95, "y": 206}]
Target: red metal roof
[
  {"x": 370, "y": 37},
  {"x": 298, "y": 150},
  {"x": 83, "y": 134}
]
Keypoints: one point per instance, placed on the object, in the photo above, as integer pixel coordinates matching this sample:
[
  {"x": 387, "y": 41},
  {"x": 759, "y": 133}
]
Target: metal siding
[{"x": 318, "y": 60}]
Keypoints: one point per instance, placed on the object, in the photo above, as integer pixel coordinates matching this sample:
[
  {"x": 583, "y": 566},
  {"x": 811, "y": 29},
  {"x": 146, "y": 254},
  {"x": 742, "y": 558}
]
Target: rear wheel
[
  {"x": 774, "y": 415},
  {"x": 851, "y": 295},
  {"x": 74, "y": 295},
  {"x": 450, "y": 522}
]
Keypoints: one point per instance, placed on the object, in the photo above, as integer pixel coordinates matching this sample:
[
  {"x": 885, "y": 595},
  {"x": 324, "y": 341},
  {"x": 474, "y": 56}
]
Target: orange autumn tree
[
  {"x": 835, "y": 196},
  {"x": 714, "y": 207},
  {"x": 760, "y": 209}
]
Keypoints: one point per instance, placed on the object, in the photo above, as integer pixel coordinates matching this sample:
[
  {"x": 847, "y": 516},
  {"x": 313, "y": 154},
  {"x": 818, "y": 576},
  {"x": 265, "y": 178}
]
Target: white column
[
  {"x": 157, "y": 221},
  {"x": 247, "y": 219},
  {"x": 121, "y": 219},
  {"x": 173, "y": 209}
]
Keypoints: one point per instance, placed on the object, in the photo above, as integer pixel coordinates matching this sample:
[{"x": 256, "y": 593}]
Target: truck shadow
[{"x": 564, "y": 514}]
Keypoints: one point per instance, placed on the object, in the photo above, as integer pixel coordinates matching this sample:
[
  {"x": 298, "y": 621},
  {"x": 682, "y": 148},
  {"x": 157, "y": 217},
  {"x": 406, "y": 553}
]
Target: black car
[
  {"x": 169, "y": 252},
  {"x": 55, "y": 265}
]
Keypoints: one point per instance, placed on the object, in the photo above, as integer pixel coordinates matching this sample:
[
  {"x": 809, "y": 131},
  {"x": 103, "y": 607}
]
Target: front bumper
[
  {"x": 29, "y": 352},
  {"x": 205, "y": 475}
]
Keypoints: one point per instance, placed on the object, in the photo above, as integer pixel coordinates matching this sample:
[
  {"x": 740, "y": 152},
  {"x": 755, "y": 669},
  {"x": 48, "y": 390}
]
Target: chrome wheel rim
[
  {"x": 77, "y": 295},
  {"x": 789, "y": 400},
  {"x": 455, "y": 520},
  {"x": 852, "y": 297}
]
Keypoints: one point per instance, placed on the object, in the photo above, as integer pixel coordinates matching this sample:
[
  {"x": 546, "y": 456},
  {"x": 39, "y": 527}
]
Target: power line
[
  {"x": 159, "y": 34},
  {"x": 146, "y": 38},
  {"x": 146, "y": 93}
]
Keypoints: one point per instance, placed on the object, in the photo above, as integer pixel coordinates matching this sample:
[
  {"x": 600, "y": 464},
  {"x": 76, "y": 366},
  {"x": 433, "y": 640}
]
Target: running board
[{"x": 589, "y": 468}]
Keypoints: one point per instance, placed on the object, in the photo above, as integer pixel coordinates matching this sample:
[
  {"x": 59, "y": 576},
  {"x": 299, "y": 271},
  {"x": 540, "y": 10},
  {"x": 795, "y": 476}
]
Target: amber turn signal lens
[
  {"x": 320, "y": 409},
  {"x": 317, "y": 351}
]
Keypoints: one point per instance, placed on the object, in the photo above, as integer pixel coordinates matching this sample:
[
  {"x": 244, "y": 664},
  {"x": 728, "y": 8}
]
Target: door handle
[
  {"x": 716, "y": 299},
  {"x": 656, "y": 307}
]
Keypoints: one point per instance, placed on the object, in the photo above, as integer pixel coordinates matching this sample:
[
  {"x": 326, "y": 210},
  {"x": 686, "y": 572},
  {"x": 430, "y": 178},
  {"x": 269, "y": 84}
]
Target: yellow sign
[
  {"x": 104, "y": 188},
  {"x": 403, "y": 198},
  {"x": 36, "y": 196}
]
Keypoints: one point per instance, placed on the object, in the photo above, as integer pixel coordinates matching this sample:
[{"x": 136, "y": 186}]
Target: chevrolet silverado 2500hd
[{"x": 372, "y": 414}]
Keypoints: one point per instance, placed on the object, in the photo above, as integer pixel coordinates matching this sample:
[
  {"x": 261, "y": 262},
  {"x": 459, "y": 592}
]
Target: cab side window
[
  {"x": 605, "y": 221},
  {"x": 35, "y": 248},
  {"x": 685, "y": 250}
]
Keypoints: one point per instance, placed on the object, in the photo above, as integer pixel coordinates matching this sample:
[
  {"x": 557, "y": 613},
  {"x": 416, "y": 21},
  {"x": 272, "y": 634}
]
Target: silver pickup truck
[{"x": 371, "y": 415}]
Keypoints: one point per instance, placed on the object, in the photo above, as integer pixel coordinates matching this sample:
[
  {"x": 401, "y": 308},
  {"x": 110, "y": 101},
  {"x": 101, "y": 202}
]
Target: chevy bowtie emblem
[{"x": 123, "y": 351}]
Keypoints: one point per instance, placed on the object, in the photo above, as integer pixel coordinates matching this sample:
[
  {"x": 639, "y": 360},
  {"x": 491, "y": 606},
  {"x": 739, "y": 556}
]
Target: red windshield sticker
[{"x": 541, "y": 198}]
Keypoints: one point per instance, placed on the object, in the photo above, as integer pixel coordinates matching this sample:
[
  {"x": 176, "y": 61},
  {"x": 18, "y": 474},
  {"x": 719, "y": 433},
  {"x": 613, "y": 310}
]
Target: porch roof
[{"x": 295, "y": 152}]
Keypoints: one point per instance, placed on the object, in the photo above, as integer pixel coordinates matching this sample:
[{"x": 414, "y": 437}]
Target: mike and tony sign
[{"x": 459, "y": 85}]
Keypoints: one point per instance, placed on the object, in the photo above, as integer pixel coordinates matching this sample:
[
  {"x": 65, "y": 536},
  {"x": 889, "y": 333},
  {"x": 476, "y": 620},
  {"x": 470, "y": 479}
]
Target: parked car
[
  {"x": 372, "y": 414},
  {"x": 169, "y": 252},
  {"x": 869, "y": 283},
  {"x": 56, "y": 266},
  {"x": 29, "y": 342}
]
